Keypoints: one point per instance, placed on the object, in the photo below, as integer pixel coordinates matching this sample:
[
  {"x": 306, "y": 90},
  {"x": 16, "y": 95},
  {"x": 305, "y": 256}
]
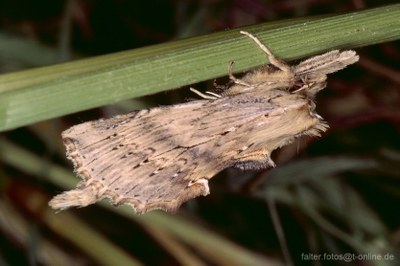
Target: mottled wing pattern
[{"x": 160, "y": 157}]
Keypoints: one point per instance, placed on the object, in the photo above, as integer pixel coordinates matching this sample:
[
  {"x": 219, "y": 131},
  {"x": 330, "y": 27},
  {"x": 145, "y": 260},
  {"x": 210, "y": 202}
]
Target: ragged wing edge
[{"x": 89, "y": 191}]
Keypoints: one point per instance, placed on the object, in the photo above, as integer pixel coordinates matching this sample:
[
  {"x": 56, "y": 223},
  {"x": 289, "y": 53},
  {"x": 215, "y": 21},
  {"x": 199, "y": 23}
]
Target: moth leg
[
  {"x": 214, "y": 94},
  {"x": 279, "y": 63},
  {"x": 256, "y": 160},
  {"x": 234, "y": 79},
  {"x": 205, "y": 96},
  {"x": 306, "y": 84},
  {"x": 315, "y": 87}
]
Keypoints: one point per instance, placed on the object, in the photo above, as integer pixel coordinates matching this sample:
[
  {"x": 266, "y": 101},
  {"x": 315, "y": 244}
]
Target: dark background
[{"x": 321, "y": 207}]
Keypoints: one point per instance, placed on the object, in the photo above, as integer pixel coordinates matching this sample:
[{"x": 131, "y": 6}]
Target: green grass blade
[{"x": 34, "y": 95}]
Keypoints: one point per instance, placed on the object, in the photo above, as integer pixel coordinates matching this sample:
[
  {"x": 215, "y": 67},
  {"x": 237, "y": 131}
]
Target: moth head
[{"x": 309, "y": 85}]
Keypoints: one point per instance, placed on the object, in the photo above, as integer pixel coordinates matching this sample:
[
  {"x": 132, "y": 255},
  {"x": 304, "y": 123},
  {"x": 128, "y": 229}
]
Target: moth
[{"x": 159, "y": 158}]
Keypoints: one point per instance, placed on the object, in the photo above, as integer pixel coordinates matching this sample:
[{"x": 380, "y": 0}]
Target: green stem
[{"x": 48, "y": 92}]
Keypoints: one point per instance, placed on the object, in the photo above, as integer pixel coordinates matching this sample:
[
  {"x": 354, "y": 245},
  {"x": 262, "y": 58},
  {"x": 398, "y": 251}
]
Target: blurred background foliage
[{"x": 332, "y": 195}]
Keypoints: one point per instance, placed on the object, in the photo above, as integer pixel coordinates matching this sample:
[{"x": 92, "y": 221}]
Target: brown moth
[{"x": 161, "y": 157}]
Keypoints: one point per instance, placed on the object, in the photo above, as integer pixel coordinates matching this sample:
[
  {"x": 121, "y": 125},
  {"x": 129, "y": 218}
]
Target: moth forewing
[{"x": 159, "y": 158}]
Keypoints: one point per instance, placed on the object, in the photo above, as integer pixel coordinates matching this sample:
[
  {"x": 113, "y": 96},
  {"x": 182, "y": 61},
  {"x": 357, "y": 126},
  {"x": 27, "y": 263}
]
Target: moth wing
[
  {"x": 162, "y": 157},
  {"x": 151, "y": 159}
]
